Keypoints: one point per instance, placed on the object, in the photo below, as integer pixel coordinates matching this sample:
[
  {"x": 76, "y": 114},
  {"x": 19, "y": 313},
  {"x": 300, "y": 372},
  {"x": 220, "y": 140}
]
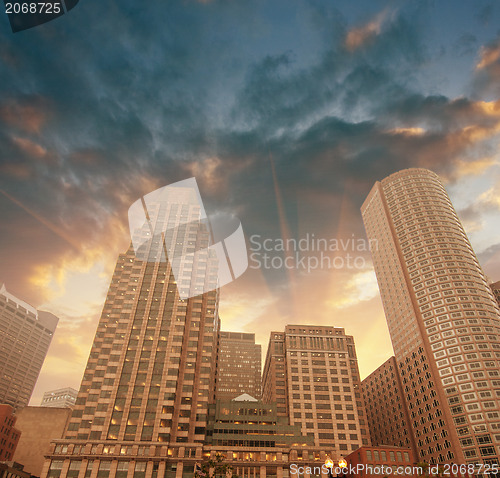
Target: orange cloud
[
  {"x": 52, "y": 278},
  {"x": 209, "y": 171},
  {"x": 489, "y": 108},
  {"x": 55, "y": 229},
  {"x": 474, "y": 168},
  {"x": 357, "y": 37},
  {"x": 407, "y": 131},
  {"x": 482, "y": 126},
  {"x": 491, "y": 196},
  {"x": 26, "y": 117},
  {"x": 213, "y": 174},
  {"x": 16, "y": 170},
  {"x": 30, "y": 147},
  {"x": 489, "y": 55}
]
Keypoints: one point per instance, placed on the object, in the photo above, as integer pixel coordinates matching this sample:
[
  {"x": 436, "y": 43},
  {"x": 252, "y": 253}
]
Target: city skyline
[
  {"x": 366, "y": 372},
  {"x": 152, "y": 372},
  {"x": 286, "y": 121}
]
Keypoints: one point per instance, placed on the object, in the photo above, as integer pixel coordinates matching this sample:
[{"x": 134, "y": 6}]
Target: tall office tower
[
  {"x": 496, "y": 291},
  {"x": 238, "y": 366},
  {"x": 386, "y": 412},
  {"x": 312, "y": 373},
  {"x": 443, "y": 319},
  {"x": 150, "y": 374},
  {"x": 25, "y": 336},
  {"x": 60, "y": 398}
]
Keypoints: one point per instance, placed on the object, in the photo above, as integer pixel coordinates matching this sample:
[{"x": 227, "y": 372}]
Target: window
[
  {"x": 104, "y": 467},
  {"x": 74, "y": 468},
  {"x": 55, "y": 468}
]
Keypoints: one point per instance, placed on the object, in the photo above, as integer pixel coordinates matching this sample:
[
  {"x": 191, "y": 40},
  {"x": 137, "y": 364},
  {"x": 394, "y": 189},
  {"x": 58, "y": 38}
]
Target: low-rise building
[
  {"x": 60, "y": 398},
  {"x": 376, "y": 461},
  {"x": 247, "y": 422},
  {"x": 248, "y": 435},
  {"x": 9, "y": 435},
  {"x": 13, "y": 470},
  {"x": 38, "y": 425},
  {"x": 388, "y": 418}
]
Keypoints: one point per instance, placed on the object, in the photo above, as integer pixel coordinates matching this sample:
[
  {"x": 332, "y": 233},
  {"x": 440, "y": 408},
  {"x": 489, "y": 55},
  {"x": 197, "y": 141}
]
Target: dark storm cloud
[
  {"x": 278, "y": 93},
  {"x": 118, "y": 103}
]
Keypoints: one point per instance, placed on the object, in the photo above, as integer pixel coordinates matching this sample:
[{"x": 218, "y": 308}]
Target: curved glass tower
[{"x": 443, "y": 319}]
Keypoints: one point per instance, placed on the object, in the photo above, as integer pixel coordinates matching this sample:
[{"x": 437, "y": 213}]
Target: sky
[{"x": 286, "y": 113}]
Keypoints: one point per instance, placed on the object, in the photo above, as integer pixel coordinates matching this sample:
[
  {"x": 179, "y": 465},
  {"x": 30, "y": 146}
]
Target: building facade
[
  {"x": 9, "y": 434},
  {"x": 13, "y": 470},
  {"x": 258, "y": 442},
  {"x": 60, "y": 398},
  {"x": 151, "y": 371},
  {"x": 369, "y": 460},
  {"x": 311, "y": 372},
  {"x": 247, "y": 422},
  {"x": 386, "y": 412},
  {"x": 239, "y": 367},
  {"x": 442, "y": 316},
  {"x": 25, "y": 336},
  {"x": 38, "y": 427}
]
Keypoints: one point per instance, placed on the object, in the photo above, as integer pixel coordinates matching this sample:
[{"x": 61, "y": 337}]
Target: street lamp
[
  {"x": 329, "y": 465},
  {"x": 342, "y": 464}
]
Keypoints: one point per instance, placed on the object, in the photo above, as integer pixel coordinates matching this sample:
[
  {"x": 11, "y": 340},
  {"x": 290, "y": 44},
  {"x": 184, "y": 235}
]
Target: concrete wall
[{"x": 38, "y": 426}]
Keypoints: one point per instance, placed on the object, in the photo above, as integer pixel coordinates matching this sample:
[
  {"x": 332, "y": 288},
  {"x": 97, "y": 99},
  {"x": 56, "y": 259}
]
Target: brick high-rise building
[
  {"x": 238, "y": 366},
  {"x": 312, "y": 373},
  {"x": 151, "y": 371},
  {"x": 496, "y": 291},
  {"x": 25, "y": 336},
  {"x": 385, "y": 406},
  {"x": 443, "y": 319}
]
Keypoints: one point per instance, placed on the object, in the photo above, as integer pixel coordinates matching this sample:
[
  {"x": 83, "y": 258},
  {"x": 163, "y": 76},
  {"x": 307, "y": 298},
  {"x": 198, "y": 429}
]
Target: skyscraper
[
  {"x": 151, "y": 370},
  {"x": 385, "y": 406},
  {"x": 25, "y": 336},
  {"x": 443, "y": 319},
  {"x": 312, "y": 373},
  {"x": 238, "y": 366}
]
